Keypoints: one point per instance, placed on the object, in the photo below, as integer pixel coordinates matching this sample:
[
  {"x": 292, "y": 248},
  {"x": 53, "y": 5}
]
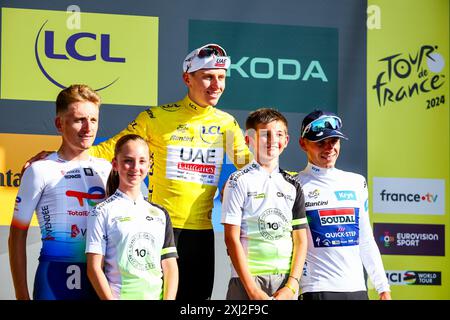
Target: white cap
[{"x": 209, "y": 56}]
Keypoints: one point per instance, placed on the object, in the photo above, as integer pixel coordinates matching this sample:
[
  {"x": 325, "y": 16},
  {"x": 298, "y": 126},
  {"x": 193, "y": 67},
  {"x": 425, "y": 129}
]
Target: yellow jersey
[{"x": 187, "y": 146}]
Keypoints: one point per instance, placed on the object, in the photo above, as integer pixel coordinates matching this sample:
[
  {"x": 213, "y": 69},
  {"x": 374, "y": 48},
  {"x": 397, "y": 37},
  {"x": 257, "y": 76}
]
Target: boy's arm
[{"x": 239, "y": 260}]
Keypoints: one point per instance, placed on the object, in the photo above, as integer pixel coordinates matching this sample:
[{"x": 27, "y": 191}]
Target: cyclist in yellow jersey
[{"x": 188, "y": 140}]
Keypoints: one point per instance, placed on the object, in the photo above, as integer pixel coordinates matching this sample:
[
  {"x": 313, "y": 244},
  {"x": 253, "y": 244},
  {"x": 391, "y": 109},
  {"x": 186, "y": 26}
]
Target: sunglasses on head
[
  {"x": 323, "y": 123},
  {"x": 210, "y": 50}
]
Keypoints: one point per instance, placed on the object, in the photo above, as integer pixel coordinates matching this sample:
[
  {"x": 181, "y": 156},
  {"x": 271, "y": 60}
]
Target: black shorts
[
  {"x": 330, "y": 295},
  {"x": 195, "y": 263}
]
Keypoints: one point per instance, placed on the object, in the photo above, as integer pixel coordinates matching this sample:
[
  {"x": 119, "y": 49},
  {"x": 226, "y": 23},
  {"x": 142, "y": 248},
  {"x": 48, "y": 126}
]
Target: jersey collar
[
  {"x": 261, "y": 169},
  {"x": 195, "y": 108},
  {"x": 124, "y": 196},
  {"x": 315, "y": 170}
]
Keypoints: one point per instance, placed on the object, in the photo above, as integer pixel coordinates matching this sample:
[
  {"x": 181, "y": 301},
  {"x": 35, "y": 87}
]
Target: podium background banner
[{"x": 408, "y": 143}]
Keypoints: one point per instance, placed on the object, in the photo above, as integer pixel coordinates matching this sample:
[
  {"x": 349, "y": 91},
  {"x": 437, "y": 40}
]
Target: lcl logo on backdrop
[
  {"x": 73, "y": 52},
  {"x": 291, "y": 67},
  {"x": 111, "y": 53}
]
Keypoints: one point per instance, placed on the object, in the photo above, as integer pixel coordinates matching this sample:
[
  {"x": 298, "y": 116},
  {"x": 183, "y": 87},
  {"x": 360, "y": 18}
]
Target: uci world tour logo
[{"x": 49, "y": 50}]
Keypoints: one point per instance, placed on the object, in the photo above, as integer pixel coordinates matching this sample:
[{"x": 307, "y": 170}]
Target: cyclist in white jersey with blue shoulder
[
  {"x": 62, "y": 189},
  {"x": 340, "y": 238}
]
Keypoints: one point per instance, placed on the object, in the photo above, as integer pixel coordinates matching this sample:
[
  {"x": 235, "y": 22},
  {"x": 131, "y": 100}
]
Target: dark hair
[
  {"x": 76, "y": 93},
  {"x": 113, "y": 180},
  {"x": 264, "y": 115}
]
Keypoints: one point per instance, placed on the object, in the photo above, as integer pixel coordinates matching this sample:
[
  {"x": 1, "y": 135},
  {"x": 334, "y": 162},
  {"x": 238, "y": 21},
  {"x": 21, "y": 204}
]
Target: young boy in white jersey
[
  {"x": 130, "y": 245},
  {"x": 62, "y": 188},
  {"x": 340, "y": 238},
  {"x": 263, "y": 213}
]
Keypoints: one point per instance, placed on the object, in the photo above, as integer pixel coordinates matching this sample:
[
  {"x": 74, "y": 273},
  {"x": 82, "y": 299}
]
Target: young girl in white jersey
[{"x": 130, "y": 246}]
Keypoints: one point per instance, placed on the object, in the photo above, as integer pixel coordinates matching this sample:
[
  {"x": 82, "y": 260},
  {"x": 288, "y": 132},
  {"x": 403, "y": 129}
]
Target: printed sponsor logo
[
  {"x": 53, "y": 53},
  {"x": 71, "y": 50},
  {"x": 255, "y": 194},
  {"x": 275, "y": 58},
  {"x": 83, "y": 213},
  {"x": 88, "y": 172},
  {"x": 122, "y": 219},
  {"x": 404, "y": 277},
  {"x": 345, "y": 195},
  {"x": 171, "y": 107},
  {"x": 201, "y": 155},
  {"x": 314, "y": 194},
  {"x": 175, "y": 137},
  {"x": 200, "y": 165},
  {"x": 329, "y": 217},
  {"x": 94, "y": 193},
  {"x": 9, "y": 179},
  {"x": 48, "y": 227},
  {"x": 318, "y": 203},
  {"x": 409, "y": 196},
  {"x": 220, "y": 62},
  {"x": 286, "y": 196},
  {"x": 201, "y": 168},
  {"x": 182, "y": 128},
  {"x": 75, "y": 231},
  {"x": 211, "y": 134},
  {"x": 410, "y": 239},
  {"x": 410, "y": 74},
  {"x": 72, "y": 176}
]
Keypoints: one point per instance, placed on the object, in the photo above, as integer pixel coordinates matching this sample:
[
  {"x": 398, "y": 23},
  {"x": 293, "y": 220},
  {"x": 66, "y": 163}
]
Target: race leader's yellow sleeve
[
  {"x": 138, "y": 126},
  {"x": 187, "y": 146}
]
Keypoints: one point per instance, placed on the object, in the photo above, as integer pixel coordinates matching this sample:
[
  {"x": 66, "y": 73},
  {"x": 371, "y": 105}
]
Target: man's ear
[
  {"x": 58, "y": 123},
  {"x": 186, "y": 78}
]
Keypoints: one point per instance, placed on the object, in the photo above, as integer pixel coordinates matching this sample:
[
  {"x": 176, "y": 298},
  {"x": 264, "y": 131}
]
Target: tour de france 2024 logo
[{"x": 406, "y": 75}]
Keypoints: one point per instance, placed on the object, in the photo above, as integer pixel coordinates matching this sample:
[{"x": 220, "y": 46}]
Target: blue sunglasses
[{"x": 323, "y": 123}]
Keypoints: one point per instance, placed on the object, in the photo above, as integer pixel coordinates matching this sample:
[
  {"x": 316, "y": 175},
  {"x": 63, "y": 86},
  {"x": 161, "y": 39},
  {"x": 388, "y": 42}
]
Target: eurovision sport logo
[
  {"x": 410, "y": 239},
  {"x": 59, "y": 48}
]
